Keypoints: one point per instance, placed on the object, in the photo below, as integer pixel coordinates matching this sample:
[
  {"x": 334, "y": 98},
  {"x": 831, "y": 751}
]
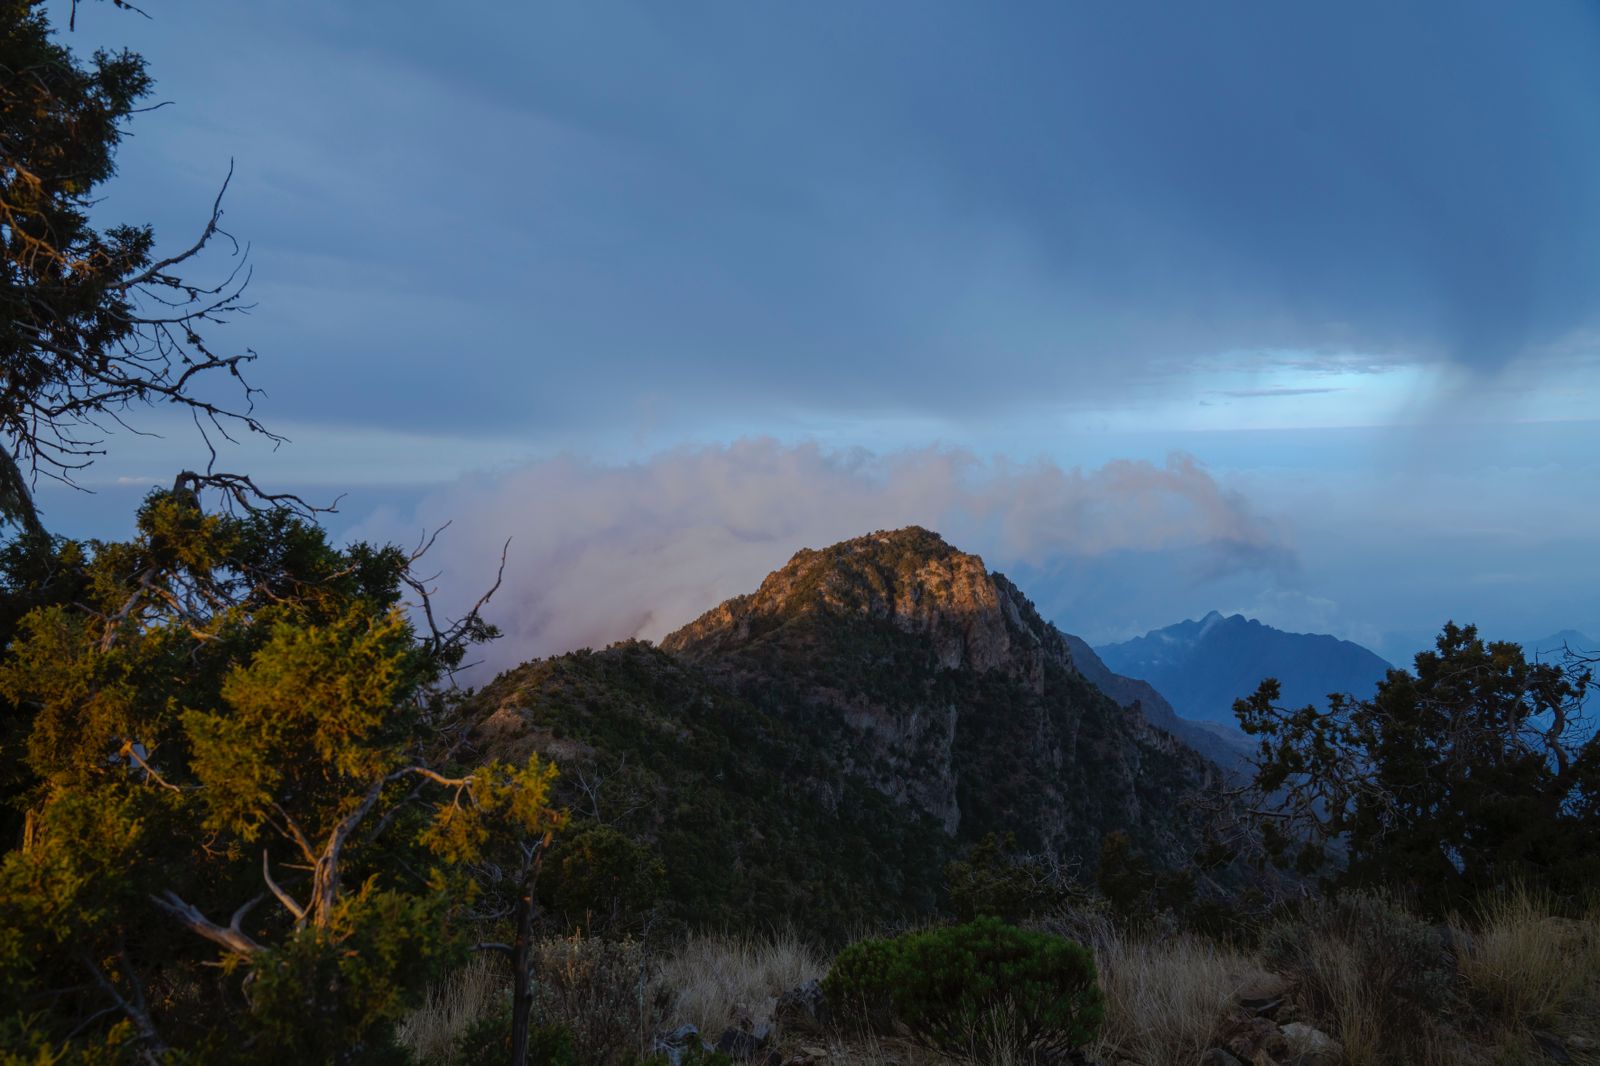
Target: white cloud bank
[{"x": 601, "y": 553}]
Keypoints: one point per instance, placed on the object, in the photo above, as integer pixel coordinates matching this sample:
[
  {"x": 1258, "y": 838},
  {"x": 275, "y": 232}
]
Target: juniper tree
[
  {"x": 1473, "y": 770},
  {"x": 252, "y": 817},
  {"x": 94, "y": 321}
]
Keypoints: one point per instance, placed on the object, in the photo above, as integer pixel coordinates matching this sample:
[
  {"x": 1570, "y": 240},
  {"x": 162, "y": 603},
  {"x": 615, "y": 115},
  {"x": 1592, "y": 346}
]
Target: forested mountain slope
[{"x": 815, "y": 750}]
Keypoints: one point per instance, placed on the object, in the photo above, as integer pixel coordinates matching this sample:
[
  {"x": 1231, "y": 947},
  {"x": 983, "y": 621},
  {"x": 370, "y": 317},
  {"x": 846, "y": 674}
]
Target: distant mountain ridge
[
  {"x": 1556, "y": 645},
  {"x": 1223, "y": 745},
  {"x": 1202, "y": 666}
]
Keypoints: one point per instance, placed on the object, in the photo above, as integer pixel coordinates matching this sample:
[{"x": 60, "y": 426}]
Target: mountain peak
[
  {"x": 1202, "y": 667},
  {"x": 936, "y": 681},
  {"x": 910, "y": 577}
]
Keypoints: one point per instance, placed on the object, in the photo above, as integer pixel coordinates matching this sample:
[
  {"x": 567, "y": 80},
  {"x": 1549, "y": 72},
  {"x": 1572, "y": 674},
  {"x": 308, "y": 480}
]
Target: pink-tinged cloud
[{"x": 601, "y": 552}]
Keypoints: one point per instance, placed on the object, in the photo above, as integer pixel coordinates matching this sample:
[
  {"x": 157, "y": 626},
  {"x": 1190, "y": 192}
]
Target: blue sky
[{"x": 1344, "y": 256}]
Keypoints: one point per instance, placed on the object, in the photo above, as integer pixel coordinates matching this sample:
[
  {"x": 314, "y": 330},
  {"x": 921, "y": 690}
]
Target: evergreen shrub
[{"x": 948, "y": 985}]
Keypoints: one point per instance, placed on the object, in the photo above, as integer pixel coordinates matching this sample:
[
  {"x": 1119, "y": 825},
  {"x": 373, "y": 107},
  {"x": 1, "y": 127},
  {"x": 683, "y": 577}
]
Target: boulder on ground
[
  {"x": 1312, "y": 1047},
  {"x": 802, "y": 1010}
]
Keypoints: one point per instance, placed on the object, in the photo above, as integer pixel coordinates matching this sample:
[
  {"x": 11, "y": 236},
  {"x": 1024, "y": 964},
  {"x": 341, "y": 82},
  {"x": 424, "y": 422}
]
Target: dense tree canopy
[
  {"x": 1473, "y": 770},
  {"x": 249, "y": 814}
]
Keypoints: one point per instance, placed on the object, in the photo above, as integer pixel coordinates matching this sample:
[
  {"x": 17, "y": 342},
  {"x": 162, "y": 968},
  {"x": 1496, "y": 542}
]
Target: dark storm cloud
[{"x": 607, "y": 214}]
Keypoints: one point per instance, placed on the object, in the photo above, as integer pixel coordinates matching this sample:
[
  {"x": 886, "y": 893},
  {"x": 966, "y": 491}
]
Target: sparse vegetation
[
  {"x": 1167, "y": 999},
  {"x": 716, "y": 980},
  {"x": 1517, "y": 956}
]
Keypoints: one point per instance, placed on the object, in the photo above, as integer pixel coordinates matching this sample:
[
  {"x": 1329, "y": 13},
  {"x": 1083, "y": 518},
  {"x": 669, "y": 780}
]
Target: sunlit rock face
[
  {"x": 937, "y": 681},
  {"x": 817, "y": 750}
]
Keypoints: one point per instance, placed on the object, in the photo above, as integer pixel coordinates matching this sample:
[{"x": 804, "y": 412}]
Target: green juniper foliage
[
  {"x": 1461, "y": 776},
  {"x": 247, "y": 824},
  {"x": 92, "y": 322}
]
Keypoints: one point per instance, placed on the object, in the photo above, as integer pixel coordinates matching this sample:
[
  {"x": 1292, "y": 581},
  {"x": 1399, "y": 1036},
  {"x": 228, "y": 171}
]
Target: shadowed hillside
[{"x": 815, "y": 749}]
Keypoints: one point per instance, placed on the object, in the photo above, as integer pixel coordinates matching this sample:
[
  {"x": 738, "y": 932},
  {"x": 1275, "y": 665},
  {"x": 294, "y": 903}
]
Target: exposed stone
[
  {"x": 1312, "y": 1047},
  {"x": 1554, "y": 1048},
  {"x": 1258, "y": 989},
  {"x": 674, "y": 1043},
  {"x": 1581, "y": 1043},
  {"x": 1085, "y": 762},
  {"x": 743, "y": 1043},
  {"x": 1265, "y": 1007},
  {"x": 1251, "y": 1039},
  {"x": 803, "y": 1009},
  {"x": 1219, "y": 1057}
]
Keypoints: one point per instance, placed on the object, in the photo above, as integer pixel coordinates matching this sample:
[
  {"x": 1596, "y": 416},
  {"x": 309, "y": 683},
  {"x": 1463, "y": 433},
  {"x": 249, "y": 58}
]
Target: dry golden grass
[
  {"x": 1359, "y": 1005},
  {"x": 431, "y": 1031},
  {"x": 1166, "y": 999},
  {"x": 1522, "y": 963},
  {"x": 714, "y": 980}
]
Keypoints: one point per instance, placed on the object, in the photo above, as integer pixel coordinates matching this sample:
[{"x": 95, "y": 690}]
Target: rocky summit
[
  {"x": 887, "y": 698},
  {"x": 937, "y": 681}
]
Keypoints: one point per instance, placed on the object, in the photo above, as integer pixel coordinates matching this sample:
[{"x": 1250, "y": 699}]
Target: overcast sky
[{"x": 639, "y": 283}]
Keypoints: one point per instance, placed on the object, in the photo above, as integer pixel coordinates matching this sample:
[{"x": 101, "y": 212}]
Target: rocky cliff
[
  {"x": 816, "y": 750},
  {"x": 938, "y": 683}
]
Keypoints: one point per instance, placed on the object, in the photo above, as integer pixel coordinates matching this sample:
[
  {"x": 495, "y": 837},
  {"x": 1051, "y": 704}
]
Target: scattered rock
[
  {"x": 1263, "y": 986},
  {"x": 743, "y": 1043},
  {"x": 674, "y": 1043},
  {"x": 1312, "y": 1047},
  {"x": 1581, "y": 1043},
  {"x": 812, "y": 1052},
  {"x": 1554, "y": 1048},
  {"x": 1256, "y": 1041},
  {"x": 802, "y": 1010},
  {"x": 1266, "y": 1007},
  {"x": 1218, "y": 1057},
  {"x": 1263, "y": 993}
]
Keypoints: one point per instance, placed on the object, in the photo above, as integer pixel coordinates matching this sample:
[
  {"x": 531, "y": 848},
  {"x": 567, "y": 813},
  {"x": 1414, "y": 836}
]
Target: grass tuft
[
  {"x": 717, "y": 980},
  {"x": 1166, "y": 999}
]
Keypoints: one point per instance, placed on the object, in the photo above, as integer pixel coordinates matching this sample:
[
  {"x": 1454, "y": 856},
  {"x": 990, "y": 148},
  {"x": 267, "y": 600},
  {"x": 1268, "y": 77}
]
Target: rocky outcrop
[
  {"x": 939, "y": 683},
  {"x": 816, "y": 751},
  {"x": 908, "y": 578}
]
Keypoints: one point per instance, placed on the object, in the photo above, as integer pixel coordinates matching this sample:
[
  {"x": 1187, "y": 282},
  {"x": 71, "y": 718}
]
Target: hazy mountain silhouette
[{"x": 1202, "y": 666}]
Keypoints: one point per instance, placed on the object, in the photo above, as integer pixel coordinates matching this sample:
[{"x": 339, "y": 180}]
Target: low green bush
[
  {"x": 489, "y": 1039},
  {"x": 950, "y": 986}
]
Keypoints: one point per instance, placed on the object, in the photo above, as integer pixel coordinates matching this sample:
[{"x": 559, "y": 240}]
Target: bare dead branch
[
  {"x": 283, "y": 897},
  {"x": 134, "y": 1008},
  {"x": 230, "y": 937}
]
